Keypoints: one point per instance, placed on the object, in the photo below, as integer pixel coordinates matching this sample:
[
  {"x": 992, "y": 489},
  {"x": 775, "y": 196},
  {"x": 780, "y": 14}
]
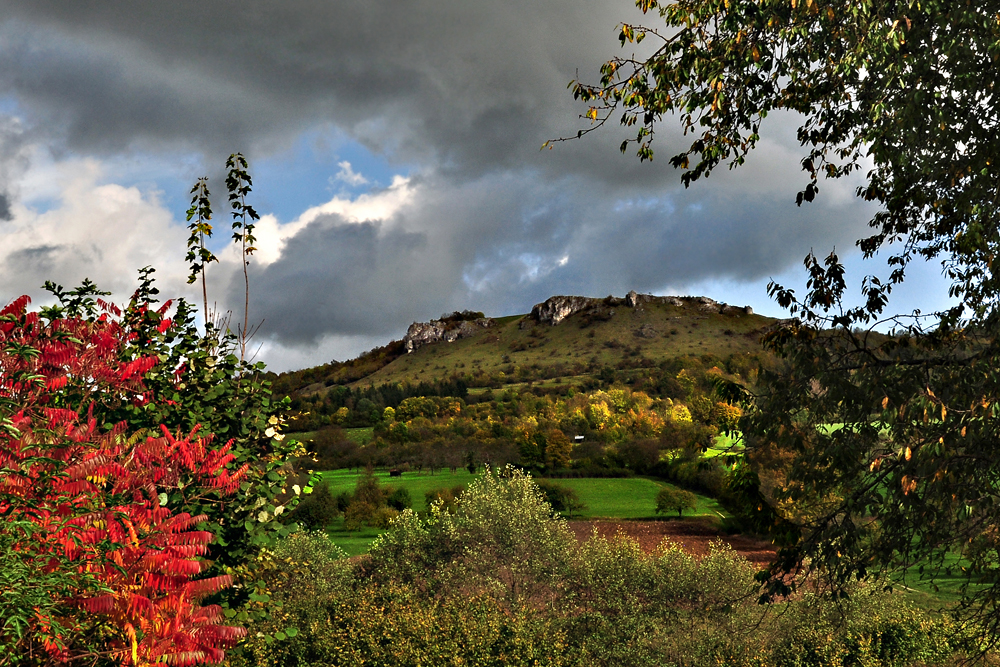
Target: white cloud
[
  {"x": 349, "y": 176},
  {"x": 70, "y": 225}
]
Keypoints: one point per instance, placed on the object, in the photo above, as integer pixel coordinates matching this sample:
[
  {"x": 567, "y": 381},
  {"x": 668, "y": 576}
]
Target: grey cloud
[
  {"x": 471, "y": 86},
  {"x": 13, "y": 162},
  {"x": 464, "y": 93},
  {"x": 347, "y": 278},
  {"x": 35, "y": 261}
]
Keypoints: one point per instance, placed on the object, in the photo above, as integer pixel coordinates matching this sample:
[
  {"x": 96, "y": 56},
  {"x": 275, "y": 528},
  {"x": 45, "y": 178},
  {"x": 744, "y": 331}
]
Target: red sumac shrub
[{"x": 107, "y": 569}]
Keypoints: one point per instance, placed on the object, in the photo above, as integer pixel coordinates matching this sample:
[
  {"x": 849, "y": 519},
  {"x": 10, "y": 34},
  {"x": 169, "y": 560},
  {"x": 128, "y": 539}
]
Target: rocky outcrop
[
  {"x": 557, "y": 308},
  {"x": 703, "y": 303},
  {"x": 425, "y": 333},
  {"x": 713, "y": 306}
]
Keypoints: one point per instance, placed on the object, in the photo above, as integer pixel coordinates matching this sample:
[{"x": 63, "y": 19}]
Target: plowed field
[{"x": 692, "y": 534}]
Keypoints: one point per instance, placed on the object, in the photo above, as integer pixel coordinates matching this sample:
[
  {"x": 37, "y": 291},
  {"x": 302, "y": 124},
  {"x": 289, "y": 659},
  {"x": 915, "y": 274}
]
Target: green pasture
[
  {"x": 627, "y": 498},
  {"x": 361, "y": 436},
  {"x": 416, "y": 483},
  {"x": 946, "y": 588},
  {"x": 623, "y": 498}
]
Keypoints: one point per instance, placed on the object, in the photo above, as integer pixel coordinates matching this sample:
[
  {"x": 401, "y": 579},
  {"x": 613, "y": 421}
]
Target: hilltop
[{"x": 565, "y": 340}]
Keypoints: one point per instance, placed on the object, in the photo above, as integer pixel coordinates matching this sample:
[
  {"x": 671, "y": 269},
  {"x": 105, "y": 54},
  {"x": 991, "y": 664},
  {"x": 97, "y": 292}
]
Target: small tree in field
[{"x": 670, "y": 498}]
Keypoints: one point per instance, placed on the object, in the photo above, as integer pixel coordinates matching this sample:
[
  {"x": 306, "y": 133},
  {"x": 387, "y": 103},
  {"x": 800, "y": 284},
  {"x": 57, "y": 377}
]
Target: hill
[{"x": 564, "y": 341}]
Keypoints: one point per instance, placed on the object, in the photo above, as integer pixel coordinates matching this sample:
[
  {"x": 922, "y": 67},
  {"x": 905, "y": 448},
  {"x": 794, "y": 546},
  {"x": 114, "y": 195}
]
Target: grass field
[
  {"x": 416, "y": 483},
  {"x": 724, "y": 445},
  {"x": 626, "y": 498}
]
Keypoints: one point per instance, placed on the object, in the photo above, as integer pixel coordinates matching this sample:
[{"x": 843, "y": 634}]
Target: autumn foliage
[{"x": 112, "y": 571}]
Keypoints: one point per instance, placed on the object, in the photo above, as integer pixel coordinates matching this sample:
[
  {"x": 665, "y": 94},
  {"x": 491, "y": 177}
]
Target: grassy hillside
[{"x": 608, "y": 334}]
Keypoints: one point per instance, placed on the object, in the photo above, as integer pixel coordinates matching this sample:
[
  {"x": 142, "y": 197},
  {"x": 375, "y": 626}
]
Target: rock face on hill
[
  {"x": 557, "y": 308},
  {"x": 424, "y": 333}
]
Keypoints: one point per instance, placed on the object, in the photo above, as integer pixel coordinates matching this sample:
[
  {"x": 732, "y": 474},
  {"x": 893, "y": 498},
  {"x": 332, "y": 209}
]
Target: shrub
[
  {"x": 198, "y": 382},
  {"x": 106, "y": 553},
  {"x": 399, "y": 499},
  {"x": 317, "y": 510},
  {"x": 502, "y": 537},
  {"x": 333, "y": 615},
  {"x": 445, "y": 496},
  {"x": 359, "y": 514}
]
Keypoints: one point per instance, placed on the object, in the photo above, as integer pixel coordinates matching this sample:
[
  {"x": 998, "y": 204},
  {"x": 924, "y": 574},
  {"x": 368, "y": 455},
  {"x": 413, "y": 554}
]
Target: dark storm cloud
[
  {"x": 342, "y": 277},
  {"x": 467, "y": 85}
]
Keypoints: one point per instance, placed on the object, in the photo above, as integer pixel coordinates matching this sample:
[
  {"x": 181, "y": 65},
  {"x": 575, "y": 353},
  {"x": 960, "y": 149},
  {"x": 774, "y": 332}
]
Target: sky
[{"x": 396, "y": 164}]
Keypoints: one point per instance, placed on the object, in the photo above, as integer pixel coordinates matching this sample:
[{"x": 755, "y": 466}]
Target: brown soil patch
[{"x": 693, "y": 535}]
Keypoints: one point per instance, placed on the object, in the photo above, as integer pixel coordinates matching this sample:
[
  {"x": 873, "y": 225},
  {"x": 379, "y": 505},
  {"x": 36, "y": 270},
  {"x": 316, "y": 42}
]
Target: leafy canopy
[{"x": 886, "y": 445}]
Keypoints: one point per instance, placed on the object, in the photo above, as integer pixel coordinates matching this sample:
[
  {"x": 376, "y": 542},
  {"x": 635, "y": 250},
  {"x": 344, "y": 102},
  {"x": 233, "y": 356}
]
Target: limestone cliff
[
  {"x": 557, "y": 308},
  {"x": 424, "y": 333}
]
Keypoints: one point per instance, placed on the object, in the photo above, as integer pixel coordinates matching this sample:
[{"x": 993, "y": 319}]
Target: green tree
[
  {"x": 502, "y": 534},
  {"x": 198, "y": 255},
  {"x": 318, "y": 510},
  {"x": 239, "y": 184},
  {"x": 907, "y": 90},
  {"x": 671, "y": 498},
  {"x": 561, "y": 498}
]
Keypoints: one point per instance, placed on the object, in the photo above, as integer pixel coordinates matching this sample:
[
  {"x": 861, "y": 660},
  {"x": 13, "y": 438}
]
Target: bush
[
  {"x": 334, "y": 615},
  {"x": 399, "y": 499},
  {"x": 502, "y": 538},
  {"x": 98, "y": 550},
  {"x": 359, "y": 513},
  {"x": 447, "y": 497},
  {"x": 343, "y": 501},
  {"x": 437, "y": 590}
]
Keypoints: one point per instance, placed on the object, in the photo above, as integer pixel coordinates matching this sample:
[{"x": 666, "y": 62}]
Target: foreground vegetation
[
  {"x": 500, "y": 580},
  {"x": 576, "y": 498}
]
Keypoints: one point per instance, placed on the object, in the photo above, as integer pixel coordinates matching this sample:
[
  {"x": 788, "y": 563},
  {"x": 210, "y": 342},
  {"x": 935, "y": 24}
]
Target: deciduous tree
[
  {"x": 671, "y": 499},
  {"x": 894, "y": 438}
]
